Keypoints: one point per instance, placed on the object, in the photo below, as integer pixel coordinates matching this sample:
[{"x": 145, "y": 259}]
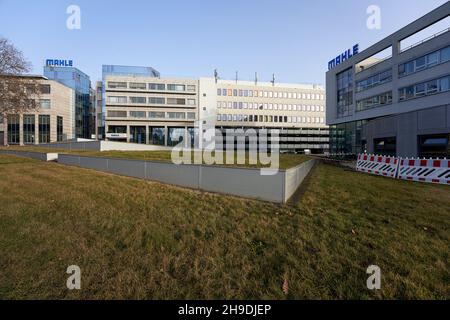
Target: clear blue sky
[{"x": 294, "y": 39}]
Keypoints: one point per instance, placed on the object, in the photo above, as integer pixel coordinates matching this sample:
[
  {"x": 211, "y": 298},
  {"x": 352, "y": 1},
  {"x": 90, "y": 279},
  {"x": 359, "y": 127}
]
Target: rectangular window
[
  {"x": 45, "y": 88},
  {"x": 138, "y": 86},
  {"x": 176, "y": 115},
  {"x": 157, "y": 86},
  {"x": 176, "y": 87},
  {"x": 375, "y": 80},
  {"x": 117, "y": 85},
  {"x": 375, "y": 101},
  {"x": 116, "y": 114},
  {"x": 176, "y": 136},
  {"x": 156, "y": 100},
  {"x": 138, "y": 100},
  {"x": 219, "y": 92},
  {"x": 45, "y": 103},
  {"x": 138, "y": 114},
  {"x": 191, "y": 102},
  {"x": 44, "y": 129},
  {"x": 157, "y": 135},
  {"x": 191, "y": 115},
  {"x": 117, "y": 99},
  {"x": 157, "y": 115},
  {"x": 29, "y": 129},
  {"x": 176, "y": 101},
  {"x": 13, "y": 129},
  {"x": 59, "y": 129},
  {"x": 191, "y": 88}
]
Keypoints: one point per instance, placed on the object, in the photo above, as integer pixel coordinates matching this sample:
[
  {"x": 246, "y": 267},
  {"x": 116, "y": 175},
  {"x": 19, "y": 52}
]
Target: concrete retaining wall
[
  {"x": 243, "y": 182},
  {"x": 34, "y": 155},
  {"x": 104, "y": 146},
  {"x": 295, "y": 176}
]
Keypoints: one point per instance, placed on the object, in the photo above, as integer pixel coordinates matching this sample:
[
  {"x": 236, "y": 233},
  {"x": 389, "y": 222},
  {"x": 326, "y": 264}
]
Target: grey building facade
[{"x": 399, "y": 105}]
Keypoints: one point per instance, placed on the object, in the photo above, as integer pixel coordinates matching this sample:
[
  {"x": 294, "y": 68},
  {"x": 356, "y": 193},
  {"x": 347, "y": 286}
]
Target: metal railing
[{"x": 425, "y": 40}]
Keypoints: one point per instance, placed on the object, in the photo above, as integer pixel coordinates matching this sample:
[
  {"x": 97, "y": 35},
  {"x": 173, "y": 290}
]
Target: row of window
[
  {"x": 414, "y": 91},
  {"x": 151, "y": 86},
  {"x": 29, "y": 129},
  {"x": 269, "y": 94},
  {"x": 152, "y": 100},
  {"x": 151, "y": 114},
  {"x": 268, "y": 106},
  {"x": 424, "y": 62},
  {"x": 261, "y": 118},
  {"x": 375, "y": 101},
  {"x": 425, "y": 88},
  {"x": 376, "y": 80}
]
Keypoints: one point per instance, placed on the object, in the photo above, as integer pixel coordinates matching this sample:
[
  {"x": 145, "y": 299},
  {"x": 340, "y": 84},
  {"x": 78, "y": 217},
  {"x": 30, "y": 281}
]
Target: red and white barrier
[
  {"x": 432, "y": 171},
  {"x": 380, "y": 165}
]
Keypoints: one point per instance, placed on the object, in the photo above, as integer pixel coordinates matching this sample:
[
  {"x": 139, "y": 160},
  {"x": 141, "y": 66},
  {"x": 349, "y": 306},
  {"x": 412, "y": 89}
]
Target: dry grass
[{"x": 144, "y": 240}]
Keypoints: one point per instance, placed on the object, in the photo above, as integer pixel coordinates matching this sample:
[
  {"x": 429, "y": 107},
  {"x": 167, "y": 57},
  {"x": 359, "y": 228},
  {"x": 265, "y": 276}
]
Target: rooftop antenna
[
  {"x": 237, "y": 76},
  {"x": 216, "y": 75},
  {"x": 256, "y": 78},
  {"x": 273, "y": 80}
]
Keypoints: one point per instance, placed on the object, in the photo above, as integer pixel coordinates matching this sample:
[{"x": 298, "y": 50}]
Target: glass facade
[
  {"x": 157, "y": 136},
  {"x": 81, "y": 83},
  {"x": 344, "y": 83},
  {"x": 345, "y": 138},
  {"x": 44, "y": 129},
  {"x": 29, "y": 129},
  {"x": 13, "y": 129},
  {"x": 138, "y": 134},
  {"x": 59, "y": 129},
  {"x": 175, "y": 136}
]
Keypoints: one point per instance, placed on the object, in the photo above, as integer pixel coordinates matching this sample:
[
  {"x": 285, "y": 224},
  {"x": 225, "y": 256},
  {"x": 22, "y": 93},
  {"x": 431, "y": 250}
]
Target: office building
[
  {"x": 81, "y": 84},
  {"x": 52, "y": 122},
  {"x": 398, "y": 104},
  {"x": 142, "y": 107},
  {"x": 296, "y": 111}
]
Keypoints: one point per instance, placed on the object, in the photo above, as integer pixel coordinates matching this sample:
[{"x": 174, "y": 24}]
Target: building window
[
  {"x": 176, "y": 115},
  {"x": 175, "y": 137},
  {"x": 157, "y": 115},
  {"x": 157, "y": 135},
  {"x": 424, "y": 62},
  {"x": 176, "y": 101},
  {"x": 375, "y": 101},
  {"x": 44, "y": 129},
  {"x": 385, "y": 146},
  {"x": 116, "y": 114},
  {"x": 13, "y": 129},
  {"x": 191, "y": 115},
  {"x": 117, "y": 85},
  {"x": 138, "y": 134},
  {"x": 344, "y": 93},
  {"x": 138, "y": 114},
  {"x": 157, "y": 86},
  {"x": 29, "y": 129},
  {"x": 45, "y": 104},
  {"x": 191, "y": 102},
  {"x": 176, "y": 87},
  {"x": 376, "y": 80},
  {"x": 434, "y": 146},
  {"x": 117, "y": 99},
  {"x": 155, "y": 100},
  {"x": 45, "y": 88},
  {"x": 138, "y": 100},
  {"x": 425, "y": 89},
  {"x": 59, "y": 128},
  {"x": 138, "y": 86}
]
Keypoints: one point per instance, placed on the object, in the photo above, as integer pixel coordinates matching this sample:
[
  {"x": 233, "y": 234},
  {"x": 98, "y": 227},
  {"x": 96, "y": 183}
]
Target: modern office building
[
  {"x": 296, "y": 111},
  {"x": 399, "y": 105},
  {"x": 142, "y": 107},
  {"x": 81, "y": 84},
  {"x": 52, "y": 122}
]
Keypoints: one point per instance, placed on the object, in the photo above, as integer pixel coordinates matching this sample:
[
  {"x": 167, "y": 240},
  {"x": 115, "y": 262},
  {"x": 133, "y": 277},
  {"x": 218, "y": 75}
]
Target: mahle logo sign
[
  {"x": 343, "y": 57},
  {"x": 58, "y": 63}
]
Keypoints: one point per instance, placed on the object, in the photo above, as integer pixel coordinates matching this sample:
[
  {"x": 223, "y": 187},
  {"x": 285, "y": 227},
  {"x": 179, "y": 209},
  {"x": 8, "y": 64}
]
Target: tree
[{"x": 18, "y": 93}]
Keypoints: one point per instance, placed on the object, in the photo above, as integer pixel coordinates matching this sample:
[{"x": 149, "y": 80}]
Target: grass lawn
[
  {"x": 144, "y": 240},
  {"x": 286, "y": 161}
]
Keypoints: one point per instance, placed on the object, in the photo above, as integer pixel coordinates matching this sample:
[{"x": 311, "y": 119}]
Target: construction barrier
[
  {"x": 380, "y": 165},
  {"x": 432, "y": 171}
]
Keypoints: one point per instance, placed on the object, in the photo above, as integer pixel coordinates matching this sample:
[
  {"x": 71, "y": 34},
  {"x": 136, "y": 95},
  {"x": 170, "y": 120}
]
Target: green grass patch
[{"x": 143, "y": 240}]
